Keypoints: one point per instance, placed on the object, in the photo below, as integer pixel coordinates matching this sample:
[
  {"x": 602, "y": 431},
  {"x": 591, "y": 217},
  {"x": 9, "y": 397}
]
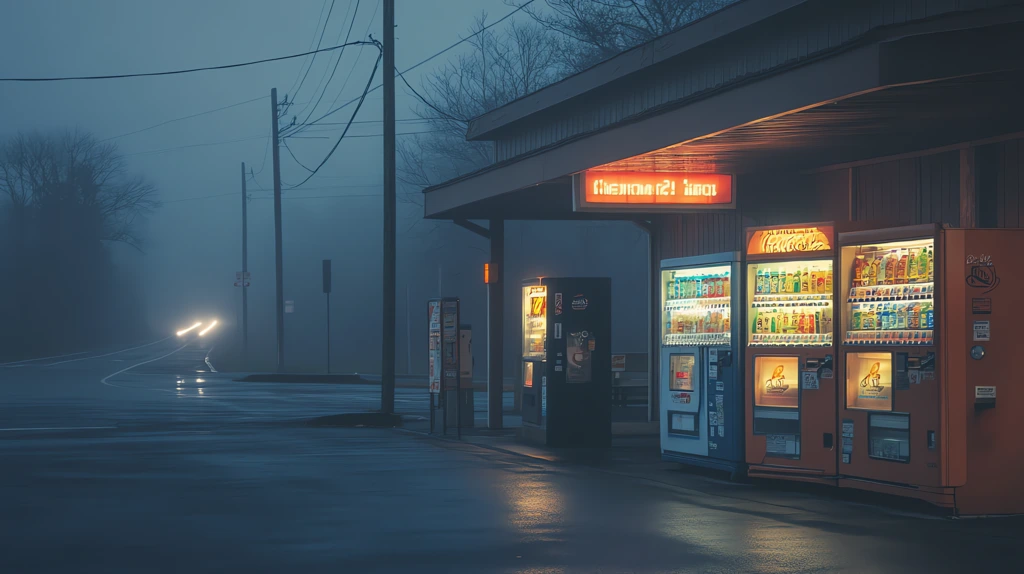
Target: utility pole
[
  {"x": 245, "y": 269},
  {"x": 387, "y": 379},
  {"x": 277, "y": 230}
]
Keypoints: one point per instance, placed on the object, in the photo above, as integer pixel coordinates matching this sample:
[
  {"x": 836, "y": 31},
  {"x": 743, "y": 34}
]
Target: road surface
[{"x": 144, "y": 461}]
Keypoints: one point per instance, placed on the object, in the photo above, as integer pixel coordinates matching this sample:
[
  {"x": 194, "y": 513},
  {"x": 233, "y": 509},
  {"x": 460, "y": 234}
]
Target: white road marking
[
  {"x": 54, "y": 428},
  {"x": 208, "y": 363},
  {"x": 104, "y": 379},
  {"x": 42, "y": 358},
  {"x": 108, "y": 354}
]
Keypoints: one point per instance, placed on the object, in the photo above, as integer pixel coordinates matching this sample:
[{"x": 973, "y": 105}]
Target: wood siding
[
  {"x": 1001, "y": 184},
  {"x": 908, "y": 191},
  {"x": 805, "y": 32}
]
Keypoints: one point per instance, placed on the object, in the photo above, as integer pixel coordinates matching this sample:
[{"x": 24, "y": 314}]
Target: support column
[
  {"x": 968, "y": 195},
  {"x": 496, "y": 325}
]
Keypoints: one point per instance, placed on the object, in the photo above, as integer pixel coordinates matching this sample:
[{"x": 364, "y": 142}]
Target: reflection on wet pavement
[{"x": 187, "y": 471}]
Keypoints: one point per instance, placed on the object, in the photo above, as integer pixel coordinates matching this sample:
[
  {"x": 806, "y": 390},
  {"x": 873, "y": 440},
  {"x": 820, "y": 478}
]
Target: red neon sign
[{"x": 662, "y": 189}]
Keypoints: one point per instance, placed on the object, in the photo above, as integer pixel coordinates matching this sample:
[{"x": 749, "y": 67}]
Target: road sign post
[{"x": 327, "y": 291}]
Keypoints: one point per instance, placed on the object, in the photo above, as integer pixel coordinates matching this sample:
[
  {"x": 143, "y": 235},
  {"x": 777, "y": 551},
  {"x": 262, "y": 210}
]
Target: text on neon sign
[{"x": 666, "y": 188}]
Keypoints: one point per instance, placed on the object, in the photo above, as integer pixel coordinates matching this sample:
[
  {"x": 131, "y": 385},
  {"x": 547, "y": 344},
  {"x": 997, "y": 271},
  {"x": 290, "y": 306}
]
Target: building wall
[
  {"x": 1001, "y": 182},
  {"x": 811, "y": 30}
]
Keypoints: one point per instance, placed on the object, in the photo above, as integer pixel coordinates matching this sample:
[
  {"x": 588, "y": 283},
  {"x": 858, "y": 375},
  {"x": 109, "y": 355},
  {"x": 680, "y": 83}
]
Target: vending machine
[
  {"x": 930, "y": 389},
  {"x": 567, "y": 371},
  {"x": 791, "y": 390},
  {"x": 701, "y": 389}
]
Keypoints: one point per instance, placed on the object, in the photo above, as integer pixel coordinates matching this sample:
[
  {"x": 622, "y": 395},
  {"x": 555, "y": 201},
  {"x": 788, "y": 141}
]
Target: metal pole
[
  {"x": 245, "y": 268},
  {"x": 408, "y": 333},
  {"x": 328, "y": 333},
  {"x": 277, "y": 230},
  {"x": 495, "y": 326},
  {"x": 387, "y": 383}
]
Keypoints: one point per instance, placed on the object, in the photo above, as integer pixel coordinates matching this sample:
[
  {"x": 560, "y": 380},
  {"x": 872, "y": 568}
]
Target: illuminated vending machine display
[
  {"x": 701, "y": 393},
  {"x": 567, "y": 378},
  {"x": 535, "y": 309},
  {"x": 790, "y": 340},
  {"x": 921, "y": 362}
]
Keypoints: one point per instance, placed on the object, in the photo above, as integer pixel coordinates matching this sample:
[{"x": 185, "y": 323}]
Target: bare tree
[
  {"x": 503, "y": 65},
  {"x": 74, "y": 175},
  {"x": 591, "y": 31}
]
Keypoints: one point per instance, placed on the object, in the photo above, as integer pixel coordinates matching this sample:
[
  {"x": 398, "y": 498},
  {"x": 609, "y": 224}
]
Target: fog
[{"x": 191, "y": 243}]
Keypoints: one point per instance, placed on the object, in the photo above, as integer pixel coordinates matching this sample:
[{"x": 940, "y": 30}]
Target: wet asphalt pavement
[{"x": 144, "y": 461}]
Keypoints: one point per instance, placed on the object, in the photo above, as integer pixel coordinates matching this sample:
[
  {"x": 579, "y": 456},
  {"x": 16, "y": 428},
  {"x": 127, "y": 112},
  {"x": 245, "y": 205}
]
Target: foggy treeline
[{"x": 67, "y": 198}]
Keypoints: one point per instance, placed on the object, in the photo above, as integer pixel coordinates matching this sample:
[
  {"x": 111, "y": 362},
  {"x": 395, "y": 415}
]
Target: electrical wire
[
  {"x": 313, "y": 60},
  {"x": 206, "y": 144},
  {"x": 427, "y": 59},
  {"x": 348, "y": 76},
  {"x": 366, "y": 90},
  {"x": 187, "y": 70},
  {"x": 184, "y": 118},
  {"x": 427, "y": 102},
  {"x": 341, "y": 54},
  {"x": 291, "y": 153},
  {"x": 319, "y": 19}
]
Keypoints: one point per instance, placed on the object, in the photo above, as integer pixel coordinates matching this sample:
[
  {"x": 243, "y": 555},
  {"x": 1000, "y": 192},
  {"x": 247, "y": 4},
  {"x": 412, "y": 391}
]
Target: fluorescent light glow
[
  {"x": 183, "y": 331},
  {"x": 207, "y": 330}
]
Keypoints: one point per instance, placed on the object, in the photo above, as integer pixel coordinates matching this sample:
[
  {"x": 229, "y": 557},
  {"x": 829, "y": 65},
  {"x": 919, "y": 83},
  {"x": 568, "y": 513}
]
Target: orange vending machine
[
  {"x": 791, "y": 406},
  {"x": 930, "y": 390}
]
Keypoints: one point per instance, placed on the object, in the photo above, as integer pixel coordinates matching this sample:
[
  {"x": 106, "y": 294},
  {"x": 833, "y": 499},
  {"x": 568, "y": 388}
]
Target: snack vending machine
[
  {"x": 567, "y": 370},
  {"x": 930, "y": 391},
  {"x": 701, "y": 390},
  {"x": 791, "y": 396}
]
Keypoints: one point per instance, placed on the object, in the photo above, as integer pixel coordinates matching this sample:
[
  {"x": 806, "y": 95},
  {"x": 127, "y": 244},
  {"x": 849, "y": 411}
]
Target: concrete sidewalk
[{"x": 639, "y": 457}]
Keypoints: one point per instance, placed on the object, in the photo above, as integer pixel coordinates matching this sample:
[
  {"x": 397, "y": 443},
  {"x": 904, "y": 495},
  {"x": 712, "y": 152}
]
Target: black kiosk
[{"x": 567, "y": 370}]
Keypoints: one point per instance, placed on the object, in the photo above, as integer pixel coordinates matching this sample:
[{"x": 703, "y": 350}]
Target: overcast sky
[{"x": 192, "y": 246}]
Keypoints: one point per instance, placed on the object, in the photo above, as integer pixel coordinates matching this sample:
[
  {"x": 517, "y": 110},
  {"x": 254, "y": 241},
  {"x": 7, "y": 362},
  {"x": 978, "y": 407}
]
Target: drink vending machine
[
  {"x": 930, "y": 390},
  {"x": 701, "y": 389},
  {"x": 791, "y": 396},
  {"x": 567, "y": 371}
]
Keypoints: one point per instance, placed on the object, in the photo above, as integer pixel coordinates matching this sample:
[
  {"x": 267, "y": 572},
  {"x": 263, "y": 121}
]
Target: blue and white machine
[{"x": 701, "y": 363}]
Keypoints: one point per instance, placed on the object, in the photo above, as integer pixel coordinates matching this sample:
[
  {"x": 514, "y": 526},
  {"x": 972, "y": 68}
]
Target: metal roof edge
[{"x": 697, "y": 33}]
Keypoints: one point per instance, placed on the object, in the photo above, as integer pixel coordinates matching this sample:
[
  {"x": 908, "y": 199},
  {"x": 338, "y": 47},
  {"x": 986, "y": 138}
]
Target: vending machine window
[
  {"x": 890, "y": 293},
  {"x": 777, "y": 382},
  {"x": 790, "y": 303},
  {"x": 535, "y": 300},
  {"x": 681, "y": 375},
  {"x": 869, "y": 381},
  {"x": 695, "y": 306},
  {"x": 889, "y": 436}
]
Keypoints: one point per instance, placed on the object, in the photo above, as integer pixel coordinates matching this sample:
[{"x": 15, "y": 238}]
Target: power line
[
  {"x": 312, "y": 61},
  {"x": 302, "y": 165},
  {"x": 199, "y": 197},
  {"x": 311, "y": 40},
  {"x": 158, "y": 151},
  {"x": 188, "y": 70},
  {"x": 427, "y": 102},
  {"x": 355, "y": 63},
  {"x": 366, "y": 90},
  {"x": 185, "y": 118},
  {"x": 341, "y": 54},
  {"x": 425, "y": 60}
]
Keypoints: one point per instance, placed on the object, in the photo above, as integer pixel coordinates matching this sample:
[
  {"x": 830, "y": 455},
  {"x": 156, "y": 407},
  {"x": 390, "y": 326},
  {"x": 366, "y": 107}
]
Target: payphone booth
[
  {"x": 930, "y": 394},
  {"x": 567, "y": 372}
]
